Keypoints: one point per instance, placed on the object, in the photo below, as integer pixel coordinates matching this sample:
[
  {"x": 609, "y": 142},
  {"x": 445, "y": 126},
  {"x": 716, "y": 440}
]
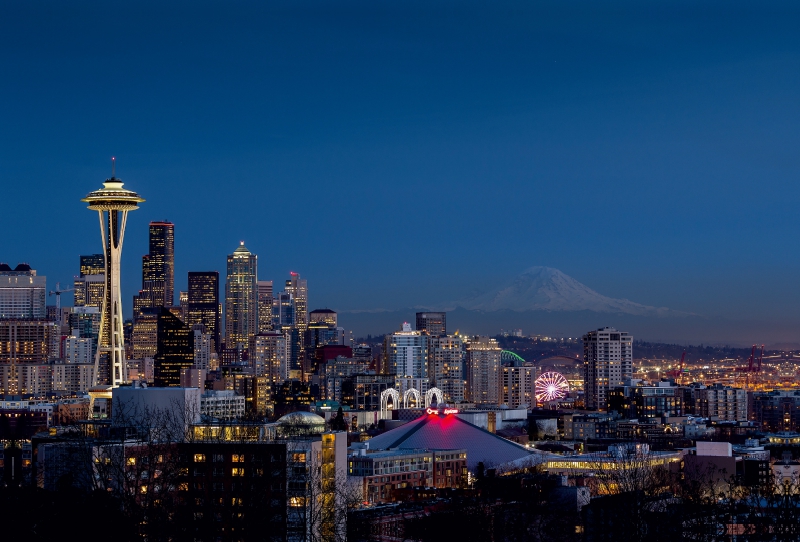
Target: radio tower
[{"x": 112, "y": 203}]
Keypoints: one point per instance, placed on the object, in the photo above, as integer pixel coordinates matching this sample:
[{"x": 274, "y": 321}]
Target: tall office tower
[
  {"x": 283, "y": 312},
  {"x": 145, "y": 333},
  {"x": 112, "y": 202},
  {"x": 203, "y": 347},
  {"x": 158, "y": 269},
  {"x": 84, "y": 322},
  {"x": 269, "y": 356},
  {"x": 88, "y": 290},
  {"x": 89, "y": 286},
  {"x": 241, "y": 298},
  {"x": 183, "y": 303},
  {"x": 26, "y": 347},
  {"x": 607, "y": 363},
  {"x": 406, "y": 353},
  {"x": 433, "y": 323},
  {"x": 518, "y": 386},
  {"x": 298, "y": 288},
  {"x": 320, "y": 333},
  {"x": 483, "y": 371},
  {"x": 323, "y": 315},
  {"x": 22, "y": 293},
  {"x": 264, "y": 305},
  {"x": 175, "y": 349},
  {"x": 446, "y": 366},
  {"x": 203, "y": 304},
  {"x": 92, "y": 264}
]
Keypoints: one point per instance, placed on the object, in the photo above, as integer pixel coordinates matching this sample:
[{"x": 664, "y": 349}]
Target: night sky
[{"x": 401, "y": 153}]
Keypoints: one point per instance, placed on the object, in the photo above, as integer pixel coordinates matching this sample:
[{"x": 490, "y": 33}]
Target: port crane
[
  {"x": 753, "y": 365},
  {"x": 676, "y": 373}
]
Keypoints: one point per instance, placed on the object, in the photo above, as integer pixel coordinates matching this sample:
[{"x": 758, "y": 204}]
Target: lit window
[
  {"x": 199, "y": 458},
  {"x": 237, "y": 471},
  {"x": 237, "y": 458}
]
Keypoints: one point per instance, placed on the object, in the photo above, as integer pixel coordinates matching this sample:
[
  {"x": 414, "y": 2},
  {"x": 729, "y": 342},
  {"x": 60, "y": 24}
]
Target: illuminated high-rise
[
  {"x": 89, "y": 285},
  {"x": 241, "y": 298},
  {"x": 432, "y": 323},
  {"x": 298, "y": 289},
  {"x": 203, "y": 304},
  {"x": 446, "y": 366},
  {"x": 265, "y": 298},
  {"x": 175, "y": 349},
  {"x": 484, "y": 373},
  {"x": 22, "y": 293},
  {"x": 607, "y": 363},
  {"x": 112, "y": 203},
  {"x": 158, "y": 266}
]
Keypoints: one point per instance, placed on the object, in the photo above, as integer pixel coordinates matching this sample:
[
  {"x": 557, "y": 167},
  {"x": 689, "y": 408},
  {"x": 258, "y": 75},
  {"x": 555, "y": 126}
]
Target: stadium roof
[{"x": 449, "y": 432}]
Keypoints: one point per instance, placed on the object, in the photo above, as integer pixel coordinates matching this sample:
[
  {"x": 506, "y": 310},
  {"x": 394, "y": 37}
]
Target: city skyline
[{"x": 533, "y": 125}]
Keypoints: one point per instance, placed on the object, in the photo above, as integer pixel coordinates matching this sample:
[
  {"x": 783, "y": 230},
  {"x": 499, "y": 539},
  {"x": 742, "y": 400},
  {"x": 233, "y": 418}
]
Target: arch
[
  {"x": 430, "y": 394},
  {"x": 415, "y": 394},
  {"x": 509, "y": 357},
  {"x": 385, "y": 394}
]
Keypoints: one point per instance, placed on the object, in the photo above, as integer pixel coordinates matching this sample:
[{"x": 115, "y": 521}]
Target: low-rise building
[
  {"x": 222, "y": 404},
  {"x": 381, "y": 473}
]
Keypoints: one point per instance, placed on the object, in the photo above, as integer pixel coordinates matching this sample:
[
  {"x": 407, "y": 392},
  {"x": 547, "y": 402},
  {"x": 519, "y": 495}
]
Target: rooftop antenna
[{"x": 113, "y": 166}]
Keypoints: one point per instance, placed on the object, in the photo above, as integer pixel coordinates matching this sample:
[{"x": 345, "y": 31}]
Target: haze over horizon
[{"x": 401, "y": 155}]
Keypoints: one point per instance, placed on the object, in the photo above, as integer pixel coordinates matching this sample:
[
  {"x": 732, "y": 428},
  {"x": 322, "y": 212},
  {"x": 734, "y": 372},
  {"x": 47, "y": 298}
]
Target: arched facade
[
  {"x": 430, "y": 394},
  {"x": 385, "y": 394},
  {"x": 412, "y": 393}
]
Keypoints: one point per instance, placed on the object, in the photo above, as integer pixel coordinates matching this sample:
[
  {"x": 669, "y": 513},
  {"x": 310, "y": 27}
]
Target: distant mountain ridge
[{"x": 548, "y": 289}]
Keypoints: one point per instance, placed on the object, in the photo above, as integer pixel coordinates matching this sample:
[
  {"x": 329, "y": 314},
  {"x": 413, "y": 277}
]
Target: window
[
  {"x": 199, "y": 458},
  {"x": 237, "y": 471},
  {"x": 237, "y": 458},
  {"x": 297, "y": 502},
  {"x": 218, "y": 458}
]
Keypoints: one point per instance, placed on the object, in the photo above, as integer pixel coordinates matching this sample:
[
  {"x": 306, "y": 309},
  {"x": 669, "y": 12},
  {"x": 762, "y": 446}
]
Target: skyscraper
[
  {"x": 203, "y": 303},
  {"x": 433, "y": 323},
  {"x": 158, "y": 267},
  {"x": 241, "y": 301},
  {"x": 112, "y": 202},
  {"x": 298, "y": 288},
  {"x": 265, "y": 294},
  {"x": 446, "y": 366},
  {"x": 406, "y": 353},
  {"x": 22, "y": 293},
  {"x": 92, "y": 264},
  {"x": 483, "y": 371},
  {"x": 175, "y": 349},
  {"x": 607, "y": 363}
]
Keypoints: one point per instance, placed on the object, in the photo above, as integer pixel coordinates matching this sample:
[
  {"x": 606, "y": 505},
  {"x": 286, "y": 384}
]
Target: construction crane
[
  {"x": 57, "y": 292},
  {"x": 676, "y": 373}
]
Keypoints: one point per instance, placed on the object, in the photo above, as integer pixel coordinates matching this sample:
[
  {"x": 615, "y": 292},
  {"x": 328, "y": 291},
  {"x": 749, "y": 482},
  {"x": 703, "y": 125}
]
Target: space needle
[{"x": 112, "y": 203}]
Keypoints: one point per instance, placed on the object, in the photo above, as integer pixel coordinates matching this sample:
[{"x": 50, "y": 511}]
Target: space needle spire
[{"x": 112, "y": 203}]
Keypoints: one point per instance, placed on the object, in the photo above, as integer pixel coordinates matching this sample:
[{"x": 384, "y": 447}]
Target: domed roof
[{"x": 301, "y": 417}]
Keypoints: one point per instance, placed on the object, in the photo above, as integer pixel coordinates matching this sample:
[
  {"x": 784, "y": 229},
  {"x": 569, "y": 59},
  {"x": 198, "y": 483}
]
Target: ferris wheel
[{"x": 550, "y": 386}]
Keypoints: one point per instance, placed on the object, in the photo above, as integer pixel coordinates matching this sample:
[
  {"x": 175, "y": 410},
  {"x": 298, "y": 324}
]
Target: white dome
[{"x": 301, "y": 417}]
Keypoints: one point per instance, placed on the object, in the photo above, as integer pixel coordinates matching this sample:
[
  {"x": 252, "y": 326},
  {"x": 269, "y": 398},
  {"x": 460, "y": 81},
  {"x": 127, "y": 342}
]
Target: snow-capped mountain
[{"x": 548, "y": 289}]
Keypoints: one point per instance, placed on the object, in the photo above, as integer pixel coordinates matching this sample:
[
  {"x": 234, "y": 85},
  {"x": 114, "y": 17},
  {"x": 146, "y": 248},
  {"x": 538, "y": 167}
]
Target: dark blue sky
[{"x": 400, "y": 153}]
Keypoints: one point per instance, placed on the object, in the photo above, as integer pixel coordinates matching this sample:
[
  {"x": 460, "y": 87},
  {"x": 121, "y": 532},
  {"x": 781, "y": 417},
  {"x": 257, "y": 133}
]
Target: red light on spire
[{"x": 292, "y": 273}]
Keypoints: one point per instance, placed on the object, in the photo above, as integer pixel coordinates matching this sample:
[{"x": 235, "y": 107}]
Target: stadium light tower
[{"x": 112, "y": 202}]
